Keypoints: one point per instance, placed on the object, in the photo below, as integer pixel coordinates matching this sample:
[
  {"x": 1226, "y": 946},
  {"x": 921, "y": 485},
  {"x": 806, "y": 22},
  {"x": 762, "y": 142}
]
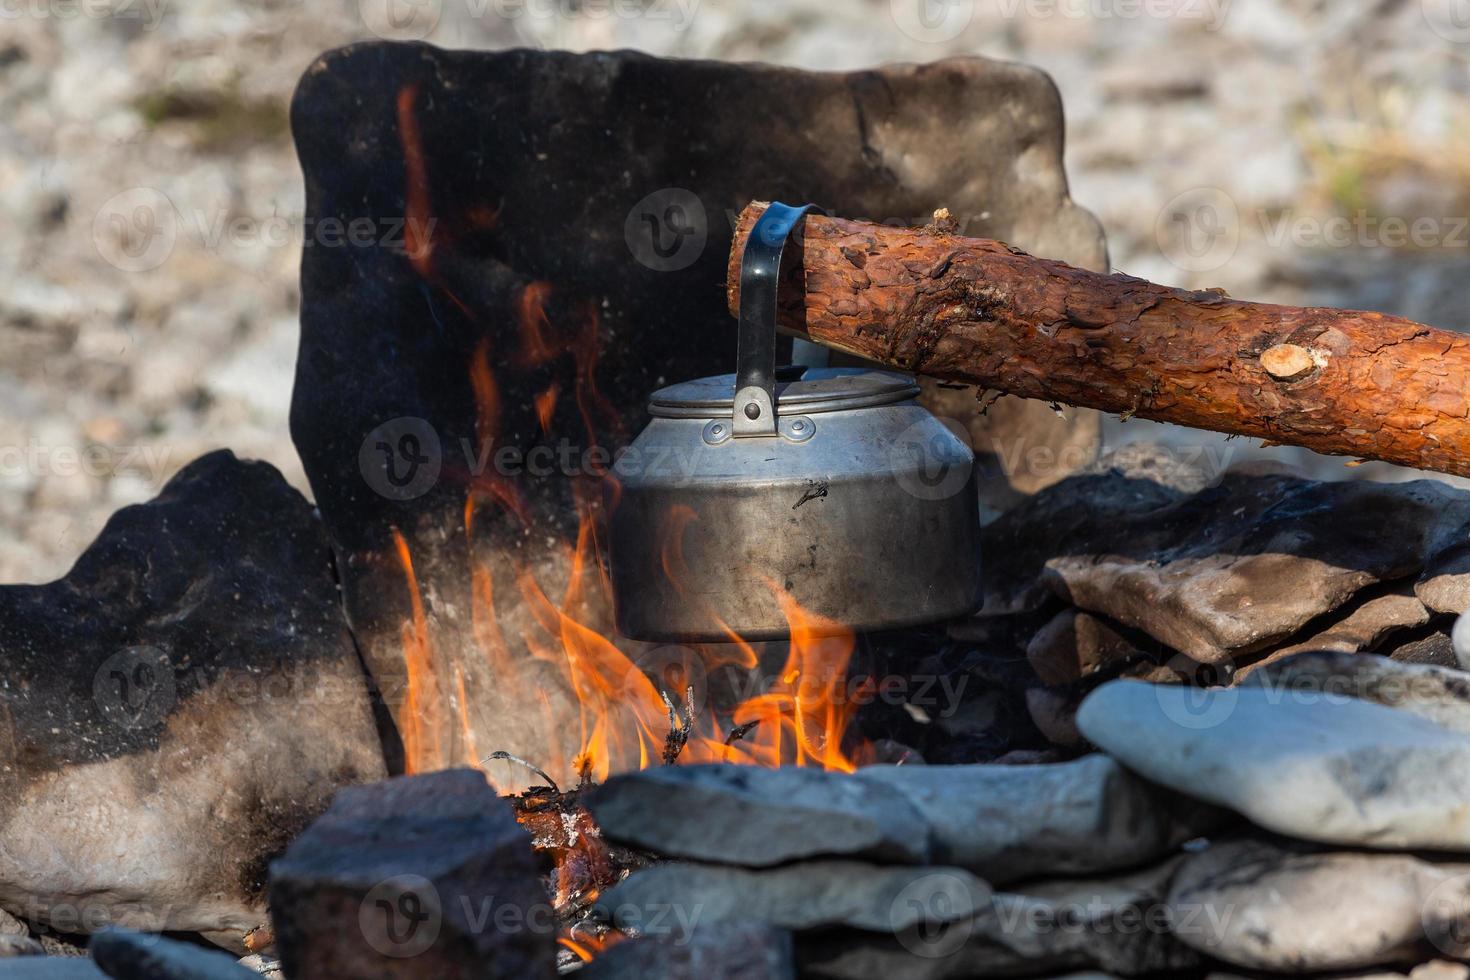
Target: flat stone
[
  {"x": 1437, "y": 694},
  {"x": 759, "y": 817},
  {"x": 1445, "y": 585},
  {"x": 672, "y": 900},
  {"x": 1363, "y": 628},
  {"x": 637, "y": 164},
  {"x": 730, "y": 951},
  {"x": 420, "y": 876},
  {"x": 1007, "y": 823},
  {"x": 1232, "y": 570},
  {"x": 1337, "y": 770},
  {"x": 1073, "y": 645},
  {"x": 1118, "y": 925},
  {"x": 1283, "y": 907},
  {"x": 178, "y": 707},
  {"x": 126, "y": 955}
]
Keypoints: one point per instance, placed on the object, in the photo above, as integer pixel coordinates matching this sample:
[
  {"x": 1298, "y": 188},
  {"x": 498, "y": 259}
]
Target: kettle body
[{"x": 862, "y": 510}]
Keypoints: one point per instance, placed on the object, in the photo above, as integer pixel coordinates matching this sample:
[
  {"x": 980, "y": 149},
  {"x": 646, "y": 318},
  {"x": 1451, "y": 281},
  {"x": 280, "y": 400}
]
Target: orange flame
[{"x": 800, "y": 717}]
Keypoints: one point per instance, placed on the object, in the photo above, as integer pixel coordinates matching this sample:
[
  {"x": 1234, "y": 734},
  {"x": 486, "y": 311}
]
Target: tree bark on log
[{"x": 981, "y": 312}]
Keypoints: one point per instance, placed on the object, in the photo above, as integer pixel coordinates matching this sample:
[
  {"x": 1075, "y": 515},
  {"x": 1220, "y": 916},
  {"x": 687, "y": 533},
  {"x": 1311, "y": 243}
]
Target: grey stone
[
  {"x": 178, "y": 707},
  {"x": 1279, "y": 906},
  {"x": 126, "y": 955},
  {"x": 1337, "y": 770},
  {"x": 1007, "y": 823},
  {"x": 672, "y": 900},
  {"x": 499, "y": 131},
  {"x": 1437, "y": 694},
  {"x": 1119, "y": 925},
  {"x": 417, "y": 876},
  {"x": 730, "y": 951},
  {"x": 759, "y": 817}
]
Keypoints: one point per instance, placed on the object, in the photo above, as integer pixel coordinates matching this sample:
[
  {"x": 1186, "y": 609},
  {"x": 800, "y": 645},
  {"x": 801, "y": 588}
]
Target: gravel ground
[{"x": 1271, "y": 147}]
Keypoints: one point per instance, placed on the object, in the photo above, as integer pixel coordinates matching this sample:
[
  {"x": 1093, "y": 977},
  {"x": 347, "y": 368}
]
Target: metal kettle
[{"x": 833, "y": 486}]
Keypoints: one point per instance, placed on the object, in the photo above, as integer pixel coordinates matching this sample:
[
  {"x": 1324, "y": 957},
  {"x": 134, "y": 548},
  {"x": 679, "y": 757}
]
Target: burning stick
[{"x": 1340, "y": 382}]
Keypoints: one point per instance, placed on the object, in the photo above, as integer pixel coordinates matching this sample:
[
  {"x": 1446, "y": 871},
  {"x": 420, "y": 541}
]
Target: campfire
[{"x": 593, "y": 657}]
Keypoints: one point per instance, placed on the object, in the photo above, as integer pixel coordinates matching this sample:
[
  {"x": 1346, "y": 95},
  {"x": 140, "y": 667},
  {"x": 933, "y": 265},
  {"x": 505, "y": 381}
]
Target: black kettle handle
[{"x": 755, "y": 358}]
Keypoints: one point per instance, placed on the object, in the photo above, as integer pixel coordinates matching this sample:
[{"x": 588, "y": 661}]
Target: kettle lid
[{"x": 800, "y": 390}]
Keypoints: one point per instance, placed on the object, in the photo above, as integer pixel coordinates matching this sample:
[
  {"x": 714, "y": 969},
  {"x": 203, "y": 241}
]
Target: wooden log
[{"x": 1340, "y": 382}]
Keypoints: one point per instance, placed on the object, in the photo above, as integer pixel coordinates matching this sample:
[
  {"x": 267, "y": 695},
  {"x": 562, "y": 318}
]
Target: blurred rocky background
[{"x": 1294, "y": 151}]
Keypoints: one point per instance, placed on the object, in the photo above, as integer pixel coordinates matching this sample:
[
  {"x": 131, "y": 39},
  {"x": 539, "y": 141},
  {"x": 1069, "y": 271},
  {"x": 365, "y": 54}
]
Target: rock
[
  {"x": 673, "y": 900},
  {"x": 1364, "y": 628},
  {"x": 126, "y": 955},
  {"x": 194, "y": 661},
  {"x": 12, "y": 946},
  {"x": 1283, "y": 907},
  {"x": 1054, "y": 712},
  {"x": 1436, "y": 650},
  {"x": 1337, "y": 770},
  {"x": 1118, "y": 925},
  {"x": 1007, "y": 823},
  {"x": 16, "y": 939},
  {"x": 759, "y": 817},
  {"x": 50, "y": 968},
  {"x": 1437, "y": 694},
  {"x": 1073, "y": 645},
  {"x": 1445, "y": 585},
  {"x": 417, "y": 876},
  {"x": 732, "y": 951},
  {"x": 510, "y": 144},
  {"x": 1232, "y": 570}
]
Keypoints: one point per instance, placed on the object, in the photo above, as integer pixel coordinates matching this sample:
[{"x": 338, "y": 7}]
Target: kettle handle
[{"x": 755, "y": 358}]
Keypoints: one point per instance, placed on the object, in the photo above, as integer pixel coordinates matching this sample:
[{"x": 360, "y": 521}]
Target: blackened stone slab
[
  {"x": 573, "y": 217},
  {"x": 673, "y": 900},
  {"x": 419, "y": 876},
  {"x": 729, "y": 951},
  {"x": 176, "y": 709},
  {"x": 1007, "y": 823},
  {"x": 759, "y": 817},
  {"x": 126, "y": 955},
  {"x": 1232, "y": 570}
]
